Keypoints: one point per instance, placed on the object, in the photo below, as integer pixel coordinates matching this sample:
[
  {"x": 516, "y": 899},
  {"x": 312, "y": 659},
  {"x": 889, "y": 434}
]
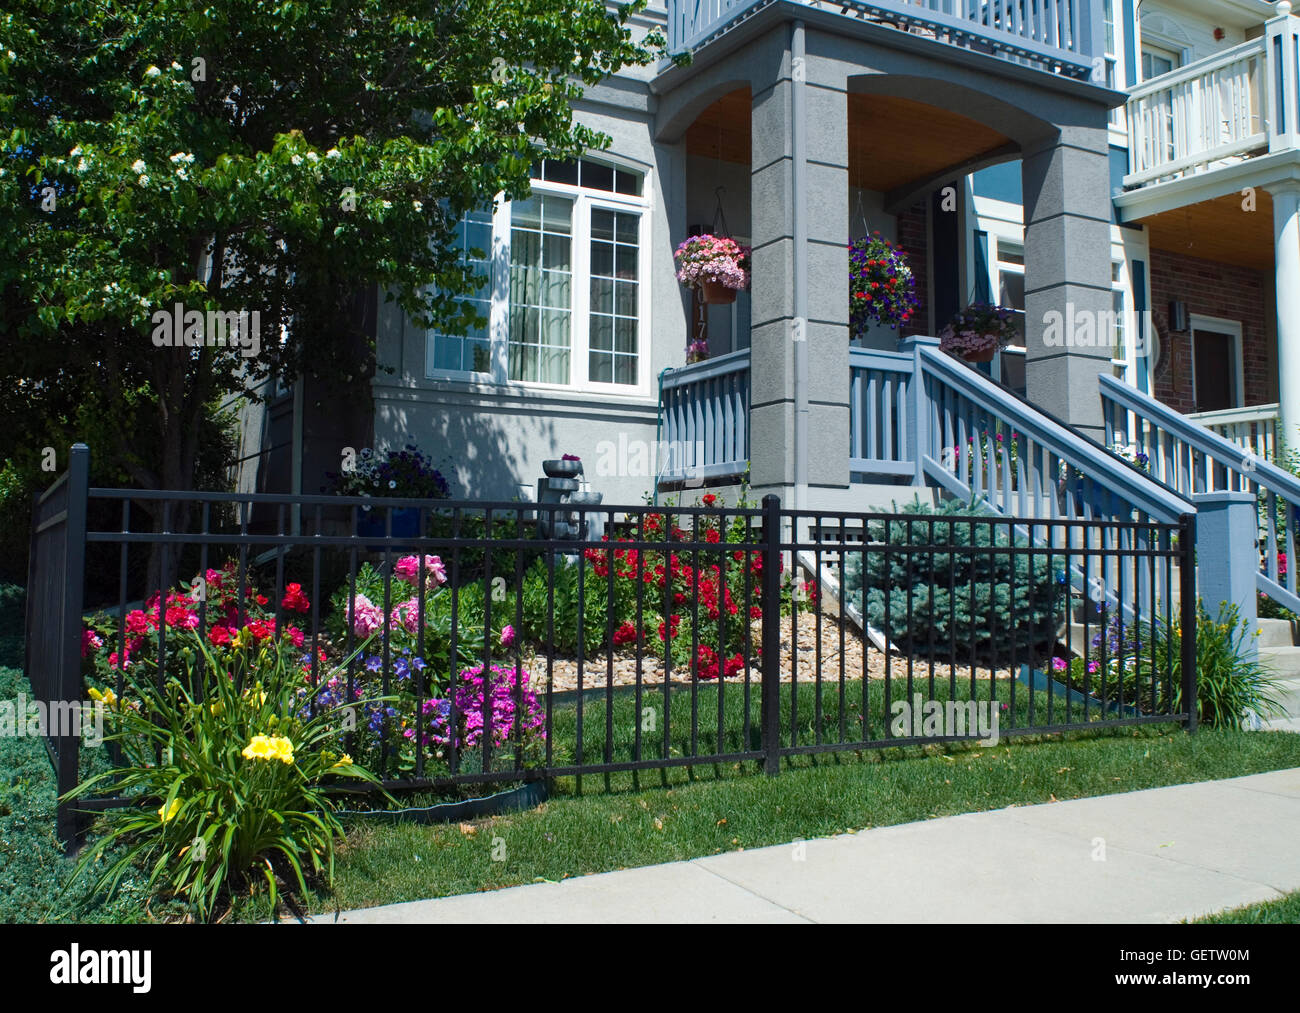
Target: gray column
[
  {"x": 1069, "y": 309},
  {"x": 799, "y": 202}
]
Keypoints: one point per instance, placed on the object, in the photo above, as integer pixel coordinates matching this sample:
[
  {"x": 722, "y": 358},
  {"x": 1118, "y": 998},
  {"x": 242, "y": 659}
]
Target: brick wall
[
  {"x": 1215, "y": 290},
  {"x": 913, "y": 237}
]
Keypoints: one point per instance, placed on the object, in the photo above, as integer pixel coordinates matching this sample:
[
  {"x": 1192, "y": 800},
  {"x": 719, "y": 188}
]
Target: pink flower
[
  {"x": 90, "y": 642},
  {"x": 507, "y": 636},
  {"x": 408, "y": 569},
  {"x": 407, "y": 615},
  {"x": 367, "y": 619}
]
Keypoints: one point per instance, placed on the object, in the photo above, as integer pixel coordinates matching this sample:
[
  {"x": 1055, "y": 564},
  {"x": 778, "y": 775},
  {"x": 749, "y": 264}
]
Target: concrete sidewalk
[{"x": 1146, "y": 856}]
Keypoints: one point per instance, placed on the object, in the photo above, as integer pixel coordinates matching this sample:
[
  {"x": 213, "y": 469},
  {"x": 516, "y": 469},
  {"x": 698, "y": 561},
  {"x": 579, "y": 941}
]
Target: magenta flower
[{"x": 507, "y": 636}]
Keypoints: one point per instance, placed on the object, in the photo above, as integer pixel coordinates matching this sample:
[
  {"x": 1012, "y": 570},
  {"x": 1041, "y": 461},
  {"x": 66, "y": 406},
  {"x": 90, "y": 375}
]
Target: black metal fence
[{"x": 456, "y": 645}]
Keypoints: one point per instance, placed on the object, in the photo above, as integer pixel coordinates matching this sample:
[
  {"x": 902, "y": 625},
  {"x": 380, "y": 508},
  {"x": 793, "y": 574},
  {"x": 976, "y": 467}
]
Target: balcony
[
  {"x": 1057, "y": 36},
  {"x": 1219, "y": 111}
]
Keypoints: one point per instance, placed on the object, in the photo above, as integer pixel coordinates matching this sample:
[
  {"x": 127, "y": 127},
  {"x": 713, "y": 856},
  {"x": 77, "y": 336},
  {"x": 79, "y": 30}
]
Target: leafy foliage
[
  {"x": 226, "y": 780},
  {"x": 248, "y": 156}
]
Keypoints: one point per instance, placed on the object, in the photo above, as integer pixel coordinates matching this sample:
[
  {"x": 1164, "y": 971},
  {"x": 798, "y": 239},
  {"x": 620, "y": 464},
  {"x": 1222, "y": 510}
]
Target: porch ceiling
[
  {"x": 722, "y": 131},
  {"x": 891, "y": 141},
  {"x": 895, "y": 141},
  {"x": 1218, "y": 230}
]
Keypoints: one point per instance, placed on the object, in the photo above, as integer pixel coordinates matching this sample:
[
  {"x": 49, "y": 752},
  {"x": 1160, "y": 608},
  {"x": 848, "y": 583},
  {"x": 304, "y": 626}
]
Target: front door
[{"x": 1215, "y": 356}]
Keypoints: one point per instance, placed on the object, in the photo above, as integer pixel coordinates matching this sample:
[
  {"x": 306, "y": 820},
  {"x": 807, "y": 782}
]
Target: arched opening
[{"x": 718, "y": 155}]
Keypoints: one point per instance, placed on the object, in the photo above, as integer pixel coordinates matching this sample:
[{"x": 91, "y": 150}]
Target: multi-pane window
[
  {"x": 615, "y": 296},
  {"x": 469, "y": 352},
  {"x": 565, "y": 293},
  {"x": 541, "y": 289}
]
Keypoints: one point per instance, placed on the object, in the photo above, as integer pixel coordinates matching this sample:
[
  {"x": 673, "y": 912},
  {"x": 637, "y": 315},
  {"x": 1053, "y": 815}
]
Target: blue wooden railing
[
  {"x": 1060, "y": 36},
  {"x": 704, "y": 420},
  {"x": 878, "y": 421},
  {"x": 1190, "y": 458}
]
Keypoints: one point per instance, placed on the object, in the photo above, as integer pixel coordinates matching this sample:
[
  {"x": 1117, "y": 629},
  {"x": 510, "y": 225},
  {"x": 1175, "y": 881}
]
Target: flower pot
[
  {"x": 716, "y": 294},
  {"x": 562, "y": 468},
  {"x": 372, "y": 523},
  {"x": 984, "y": 356}
]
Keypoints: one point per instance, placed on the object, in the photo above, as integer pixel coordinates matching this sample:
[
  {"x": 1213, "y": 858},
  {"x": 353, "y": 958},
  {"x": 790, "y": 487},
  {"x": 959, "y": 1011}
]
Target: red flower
[
  {"x": 294, "y": 600},
  {"x": 705, "y": 664},
  {"x": 712, "y": 537},
  {"x": 219, "y": 635},
  {"x": 626, "y": 634},
  {"x": 675, "y": 622},
  {"x": 708, "y": 499}
]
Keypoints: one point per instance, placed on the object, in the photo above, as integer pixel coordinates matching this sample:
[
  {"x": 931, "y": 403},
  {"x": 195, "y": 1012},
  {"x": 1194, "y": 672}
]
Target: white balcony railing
[
  {"x": 1059, "y": 36},
  {"x": 1253, "y": 428},
  {"x": 1218, "y": 110}
]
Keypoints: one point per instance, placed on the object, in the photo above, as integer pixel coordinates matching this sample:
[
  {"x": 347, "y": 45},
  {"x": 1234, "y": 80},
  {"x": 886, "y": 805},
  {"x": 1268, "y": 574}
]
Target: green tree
[{"x": 255, "y": 155}]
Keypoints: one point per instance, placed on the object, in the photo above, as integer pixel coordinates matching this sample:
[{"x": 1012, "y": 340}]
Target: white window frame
[
  {"x": 584, "y": 201},
  {"x": 1220, "y": 325}
]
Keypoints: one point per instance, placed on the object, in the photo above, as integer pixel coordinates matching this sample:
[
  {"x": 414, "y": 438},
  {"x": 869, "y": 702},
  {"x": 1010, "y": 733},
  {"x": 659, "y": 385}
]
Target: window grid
[
  {"x": 613, "y": 345},
  {"x": 541, "y": 289},
  {"x": 470, "y": 352}
]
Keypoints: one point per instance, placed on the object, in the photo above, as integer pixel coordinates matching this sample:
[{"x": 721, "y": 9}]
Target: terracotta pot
[
  {"x": 984, "y": 356},
  {"x": 716, "y": 293}
]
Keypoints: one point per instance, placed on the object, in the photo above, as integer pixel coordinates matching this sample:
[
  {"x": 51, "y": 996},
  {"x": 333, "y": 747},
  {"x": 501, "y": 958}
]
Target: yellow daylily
[
  {"x": 108, "y": 698},
  {"x": 344, "y": 761},
  {"x": 265, "y": 747},
  {"x": 167, "y": 813}
]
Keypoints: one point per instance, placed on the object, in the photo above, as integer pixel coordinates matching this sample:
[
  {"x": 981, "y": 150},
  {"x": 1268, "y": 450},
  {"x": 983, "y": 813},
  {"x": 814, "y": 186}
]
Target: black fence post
[
  {"x": 1187, "y": 590},
  {"x": 68, "y": 678},
  {"x": 771, "y": 638}
]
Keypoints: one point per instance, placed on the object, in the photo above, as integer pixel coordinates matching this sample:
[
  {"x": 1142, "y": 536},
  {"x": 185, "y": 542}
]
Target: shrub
[
  {"x": 987, "y": 602},
  {"x": 226, "y": 781}
]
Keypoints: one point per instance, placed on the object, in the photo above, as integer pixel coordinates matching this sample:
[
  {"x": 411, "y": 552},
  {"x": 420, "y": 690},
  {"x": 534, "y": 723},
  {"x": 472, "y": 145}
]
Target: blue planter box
[{"x": 371, "y": 524}]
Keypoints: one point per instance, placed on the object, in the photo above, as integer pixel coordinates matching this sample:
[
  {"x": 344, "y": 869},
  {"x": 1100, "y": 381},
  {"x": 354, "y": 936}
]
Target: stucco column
[
  {"x": 1068, "y": 303},
  {"x": 799, "y": 348},
  {"x": 1286, "y": 264}
]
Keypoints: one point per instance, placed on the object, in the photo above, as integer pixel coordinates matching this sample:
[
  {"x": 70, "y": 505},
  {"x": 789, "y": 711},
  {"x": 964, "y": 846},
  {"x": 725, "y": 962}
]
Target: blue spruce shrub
[{"x": 994, "y": 606}]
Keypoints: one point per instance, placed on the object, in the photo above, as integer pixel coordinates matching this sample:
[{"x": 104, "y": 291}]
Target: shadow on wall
[{"x": 484, "y": 454}]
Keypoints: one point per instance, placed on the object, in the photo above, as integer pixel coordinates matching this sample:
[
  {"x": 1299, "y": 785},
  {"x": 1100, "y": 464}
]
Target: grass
[{"x": 1283, "y": 911}]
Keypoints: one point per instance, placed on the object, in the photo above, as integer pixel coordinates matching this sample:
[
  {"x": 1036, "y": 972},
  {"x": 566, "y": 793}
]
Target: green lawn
[{"x": 1283, "y": 911}]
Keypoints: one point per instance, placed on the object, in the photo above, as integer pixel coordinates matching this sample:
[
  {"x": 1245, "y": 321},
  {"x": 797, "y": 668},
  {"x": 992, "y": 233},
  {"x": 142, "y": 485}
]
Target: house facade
[{"x": 1124, "y": 176}]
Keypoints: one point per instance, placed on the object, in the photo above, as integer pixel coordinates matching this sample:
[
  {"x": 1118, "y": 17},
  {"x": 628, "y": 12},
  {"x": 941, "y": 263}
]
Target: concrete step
[
  {"x": 1287, "y": 693},
  {"x": 1275, "y": 633},
  {"x": 1281, "y": 662}
]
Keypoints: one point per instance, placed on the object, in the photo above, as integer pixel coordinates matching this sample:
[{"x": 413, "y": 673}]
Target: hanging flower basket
[
  {"x": 882, "y": 288},
  {"x": 979, "y": 332},
  {"x": 715, "y": 293},
  {"x": 716, "y": 265}
]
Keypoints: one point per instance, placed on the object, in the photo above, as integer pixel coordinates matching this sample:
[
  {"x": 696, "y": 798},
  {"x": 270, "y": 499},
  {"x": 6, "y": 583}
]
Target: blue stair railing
[{"x": 1189, "y": 458}]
